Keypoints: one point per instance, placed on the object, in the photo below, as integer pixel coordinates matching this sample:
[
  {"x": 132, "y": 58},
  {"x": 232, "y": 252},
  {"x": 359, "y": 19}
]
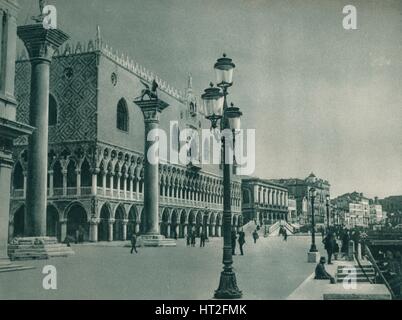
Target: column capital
[
  {"x": 151, "y": 109},
  {"x": 40, "y": 42}
]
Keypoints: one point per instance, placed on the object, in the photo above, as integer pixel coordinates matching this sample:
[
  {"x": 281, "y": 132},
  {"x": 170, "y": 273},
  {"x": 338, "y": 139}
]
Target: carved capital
[
  {"x": 41, "y": 43},
  {"x": 151, "y": 109}
]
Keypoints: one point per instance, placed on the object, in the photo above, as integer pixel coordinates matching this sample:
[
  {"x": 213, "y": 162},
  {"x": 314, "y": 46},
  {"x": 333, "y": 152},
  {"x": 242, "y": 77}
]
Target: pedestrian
[
  {"x": 133, "y": 243},
  {"x": 188, "y": 238},
  {"x": 255, "y": 236},
  {"x": 234, "y": 238},
  {"x": 329, "y": 245},
  {"x": 193, "y": 239},
  {"x": 345, "y": 243},
  {"x": 321, "y": 273},
  {"x": 285, "y": 235},
  {"x": 202, "y": 239},
  {"x": 242, "y": 241}
]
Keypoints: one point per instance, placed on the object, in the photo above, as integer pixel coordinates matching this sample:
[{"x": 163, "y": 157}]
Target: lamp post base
[
  {"x": 313, "y": 257},
  {"x": 228, "y": 287}
]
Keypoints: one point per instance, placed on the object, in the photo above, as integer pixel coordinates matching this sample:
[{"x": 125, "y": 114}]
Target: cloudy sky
[{"x": 320, "y": 97}]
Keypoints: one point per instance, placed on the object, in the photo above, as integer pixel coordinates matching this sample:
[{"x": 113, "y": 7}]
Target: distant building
[
  {"x": 292, "y": 210},
  {"x": 358, "y": 210},
  {"x": 376, "y": 213},
  {"x": 264, "y": 201},
  {"x": 299, "y": 190},
  {"x": 392, "y": 204}
]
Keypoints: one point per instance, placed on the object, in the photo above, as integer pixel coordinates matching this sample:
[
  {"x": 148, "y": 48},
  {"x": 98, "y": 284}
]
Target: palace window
[
  {"x": 52, "y": 111},
  {"x": 122, "y": 116}
]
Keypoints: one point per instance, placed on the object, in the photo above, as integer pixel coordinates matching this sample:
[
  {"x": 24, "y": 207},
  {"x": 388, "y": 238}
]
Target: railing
[
  {"x": 86, "y": 191},
  {"x": 71, "y": 191},
  {"x": 377, "y": 269},
  {"x": 273, "y": 227},
  {"x": 57, "y": 191}
]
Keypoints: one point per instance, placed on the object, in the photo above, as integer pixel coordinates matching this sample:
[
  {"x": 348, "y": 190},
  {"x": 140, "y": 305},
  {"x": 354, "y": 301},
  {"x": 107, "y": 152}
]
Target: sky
[{"x": 321, "y": 98}]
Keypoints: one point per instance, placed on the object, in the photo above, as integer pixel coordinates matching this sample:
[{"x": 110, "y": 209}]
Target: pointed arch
[{"x": 122, "y": 115}]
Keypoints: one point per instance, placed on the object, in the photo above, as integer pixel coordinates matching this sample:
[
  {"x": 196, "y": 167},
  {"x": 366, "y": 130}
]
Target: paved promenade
[{"x": 270, "y": 269}]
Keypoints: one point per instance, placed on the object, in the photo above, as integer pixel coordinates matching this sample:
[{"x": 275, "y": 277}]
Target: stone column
[
  {"x": 9, "y": 128},
  {"x": 125, "y": 222},
  {"x": 25, "y": 183},
  {"x": 151, "y": 110},
  {"x": 110, "y": 233},
  {"x": 64, "y": 172},
  {"x": 131, "y": 188},
  {"x": 78, "y": 172},
  {"x": 118, "y": 176},
  {"x": 93, "y": 230},
  {"x": 137, "y": 227},
  {"x": 40, "y": 44},
  {"x": 125, "y": 186},
  {"x": 104, "y": 177},
  {"x": 168, "y": 227},
  {"x": 5, "y": 180},
  {"x": 94, "y": 185},
  {"x": 218, "y": 231},
  {"x": 63, "y": 230},
  {"x": 185, "y": 230},
  {"x": 50, "y": 183}
]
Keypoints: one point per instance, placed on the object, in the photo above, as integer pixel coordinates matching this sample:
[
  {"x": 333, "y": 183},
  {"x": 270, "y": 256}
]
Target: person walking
[
  {"x": 188, "y": 238},
  {"x": 345, "y": 242},
  {"x": 285, "y": 234},
  {"x": 193, "y": 239},
  {"x": 329, "y": 245},
  {"x": 242, "y": 241},
  {"x": 234, "y": 238},
  {"x": 202, "y": 239},
  {"x": 255, "y": 236},
  {"x": 134, "y": 243}
]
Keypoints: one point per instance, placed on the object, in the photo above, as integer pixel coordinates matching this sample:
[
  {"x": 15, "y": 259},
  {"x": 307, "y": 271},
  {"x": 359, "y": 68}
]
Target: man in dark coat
[
  {"x": 133, "y": 243},
  {"x": 234, "y": 238},
  {"x": 202, "y": 239},
  {"x": 345, "y": 242},
  {"x": 193, "y": 239},
  {"x": 242, "y": 241},
  {"x": 188, "y": 238},
  {"x": 329, "y": 245}
]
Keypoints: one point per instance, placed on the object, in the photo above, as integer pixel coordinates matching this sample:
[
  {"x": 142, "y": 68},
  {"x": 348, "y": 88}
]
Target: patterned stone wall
[{"x": 73, "y": 83}]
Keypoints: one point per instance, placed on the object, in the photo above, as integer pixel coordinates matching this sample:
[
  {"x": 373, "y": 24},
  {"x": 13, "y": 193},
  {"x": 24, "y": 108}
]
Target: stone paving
[{"x": 270, "y": 269}]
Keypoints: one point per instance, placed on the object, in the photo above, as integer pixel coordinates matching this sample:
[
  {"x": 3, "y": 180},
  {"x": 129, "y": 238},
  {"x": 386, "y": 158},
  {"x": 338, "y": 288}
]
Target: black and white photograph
[{"x": 207, "y": 150}]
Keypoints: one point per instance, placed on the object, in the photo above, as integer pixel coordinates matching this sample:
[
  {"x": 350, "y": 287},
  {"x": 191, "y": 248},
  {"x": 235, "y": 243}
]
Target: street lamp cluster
[{"x": 215, "y": 102}]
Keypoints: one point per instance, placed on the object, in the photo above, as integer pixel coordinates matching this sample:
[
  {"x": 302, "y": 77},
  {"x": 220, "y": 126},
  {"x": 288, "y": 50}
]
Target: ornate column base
[
  {"x": 313, "y": 257},
  {"x": 155, "y": 240},
  {"x": 228, "y": 287},
  {"x": 29, "y": 248}
]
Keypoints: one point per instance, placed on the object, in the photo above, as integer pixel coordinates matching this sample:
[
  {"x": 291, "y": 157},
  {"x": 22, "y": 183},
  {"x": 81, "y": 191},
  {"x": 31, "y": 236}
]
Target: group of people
[
  {"x": 241, "y": 240},
  {"x": 390, "y": 264},
  {"x": 283, "y": 233},
  {"x": 191, "y": 239}
]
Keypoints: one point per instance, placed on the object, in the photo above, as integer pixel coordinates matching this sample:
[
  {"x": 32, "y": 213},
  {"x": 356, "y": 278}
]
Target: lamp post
[
  {"x": 327, "y": 205},
  {"x": 217, "y": 109},
  {"x": 313, "y": 248}
]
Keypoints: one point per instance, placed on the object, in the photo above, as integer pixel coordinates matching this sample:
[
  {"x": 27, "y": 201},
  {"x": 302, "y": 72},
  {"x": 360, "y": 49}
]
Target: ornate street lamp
[
  {"x": 313, "y": 248},
  {"x": 217, "y": 109},
  {"x": 327, "y": 204}
]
